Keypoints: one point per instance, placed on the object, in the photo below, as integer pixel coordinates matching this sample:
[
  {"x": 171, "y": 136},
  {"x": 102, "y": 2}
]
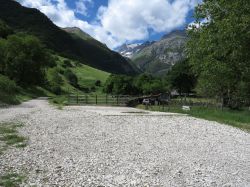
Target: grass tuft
[
  {"x": 11, "y": 180},
  {"x": 9, "y": 136}
]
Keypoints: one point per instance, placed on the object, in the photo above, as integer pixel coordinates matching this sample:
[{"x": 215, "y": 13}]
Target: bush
[
  {"x": 98, "y": 83},
  {"x": 55, "y": 80},
  {"x": 7, "y": 86},
  {"x": 5, "y": 30},
  {"x": 67, "y": 64},
  {"x": 56, "y": 89},
  {"x": 71, "y": 77},
  {"x": 93, "y": 89}
]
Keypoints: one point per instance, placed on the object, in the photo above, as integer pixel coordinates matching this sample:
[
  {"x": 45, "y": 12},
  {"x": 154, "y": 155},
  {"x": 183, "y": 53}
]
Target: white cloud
[
  {"x": 81, "y": 6},
  {"x": 131, "y": 20},
  {"x": 122, "y": 20}
]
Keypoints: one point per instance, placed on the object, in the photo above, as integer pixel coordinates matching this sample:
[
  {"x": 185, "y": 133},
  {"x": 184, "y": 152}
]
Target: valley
[{"x": 124, "y": 93}]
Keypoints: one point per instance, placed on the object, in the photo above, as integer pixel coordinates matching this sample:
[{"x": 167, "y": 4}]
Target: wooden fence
[{"x": 117, "y": 100}]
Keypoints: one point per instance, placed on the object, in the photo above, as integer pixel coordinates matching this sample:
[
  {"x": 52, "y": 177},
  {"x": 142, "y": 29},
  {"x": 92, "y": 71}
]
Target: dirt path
[{"x": 105, "y": 146}]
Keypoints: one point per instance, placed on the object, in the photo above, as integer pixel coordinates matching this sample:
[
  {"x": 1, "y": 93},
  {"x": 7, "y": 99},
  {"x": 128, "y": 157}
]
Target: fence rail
[
  {"x": 118, "y": 100},
  {"x": 125, "y": 100}
]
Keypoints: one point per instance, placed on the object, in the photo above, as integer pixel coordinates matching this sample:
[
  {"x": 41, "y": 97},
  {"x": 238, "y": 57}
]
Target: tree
[
  {"x": 181, "y": 77},
  {"x": 25, "y": 59},
  {"x": 219, "y": 49},
  {"x": 2, "y": 56},
  {"x": 126, "y": 85},
  {"x": 5, "y": 30},
  {"x": 98, "y": 83},
  {"x": 55, "y": 81},
  {"x": 72, "y": 78}
]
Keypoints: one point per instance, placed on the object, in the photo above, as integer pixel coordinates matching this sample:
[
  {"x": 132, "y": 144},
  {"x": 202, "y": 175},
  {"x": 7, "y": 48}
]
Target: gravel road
[{"x": 114, "y": 146}]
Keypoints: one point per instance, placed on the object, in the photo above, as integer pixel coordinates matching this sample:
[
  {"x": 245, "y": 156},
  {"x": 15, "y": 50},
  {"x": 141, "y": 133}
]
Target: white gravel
[{"x": 112, "y": 146}]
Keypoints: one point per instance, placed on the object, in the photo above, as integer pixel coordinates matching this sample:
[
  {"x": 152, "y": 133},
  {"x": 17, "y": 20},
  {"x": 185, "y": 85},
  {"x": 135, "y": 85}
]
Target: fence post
[
  {"x": 77, "y": 98},
  {"x": 106, "y": 99},
  {"x": 96, "y": 99},
  {"x": 117, "y": 100},
  {"x": 86, "y": 99}
]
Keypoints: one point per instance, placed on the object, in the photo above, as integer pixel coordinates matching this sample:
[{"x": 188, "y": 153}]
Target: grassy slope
[
  {"x": 239, "y": 119},
  {"x": 87, "y": 77}
]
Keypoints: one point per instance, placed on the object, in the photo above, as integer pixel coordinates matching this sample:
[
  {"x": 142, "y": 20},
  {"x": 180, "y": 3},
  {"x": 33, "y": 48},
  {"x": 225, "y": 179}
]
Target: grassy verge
[
  {"x": 239, "y": 119},
  {"x": 23, "y": 94},
  {"x": 11, "y": 180},
  {"x": 59, "y": 101},
  {"x": 9, "y": 136}
]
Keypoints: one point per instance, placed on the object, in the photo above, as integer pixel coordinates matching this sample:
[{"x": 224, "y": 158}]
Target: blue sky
[{"x": 115, "y": 22}]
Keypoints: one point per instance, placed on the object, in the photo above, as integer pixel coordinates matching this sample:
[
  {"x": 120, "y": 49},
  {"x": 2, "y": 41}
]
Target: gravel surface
[{"x": 112, "y": 146}]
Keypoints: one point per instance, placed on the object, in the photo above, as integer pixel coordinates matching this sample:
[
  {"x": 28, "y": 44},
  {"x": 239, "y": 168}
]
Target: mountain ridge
[
  {"x": 89, "y": 52},
  {"x": 158, "y": 57}
]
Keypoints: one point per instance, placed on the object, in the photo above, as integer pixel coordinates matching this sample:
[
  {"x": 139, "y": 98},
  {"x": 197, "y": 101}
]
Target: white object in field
[
  {"x": 146, "y": 101},
  {"x": 187, "y": 108}
]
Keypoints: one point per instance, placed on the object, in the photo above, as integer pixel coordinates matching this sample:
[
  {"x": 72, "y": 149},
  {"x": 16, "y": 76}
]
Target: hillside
[
  {"x": 158, "y": 57},
  {"x": 87, "y": 51},
  {"x": 86, "y": 75}
]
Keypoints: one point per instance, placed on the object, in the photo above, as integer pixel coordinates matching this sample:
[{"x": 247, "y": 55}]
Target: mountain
[
  {"x": 129, "y": 50},
  {"x": 160, "y": 56},
  {"x": 78, "y": 32},
  {"x": 82, "y": 48}
]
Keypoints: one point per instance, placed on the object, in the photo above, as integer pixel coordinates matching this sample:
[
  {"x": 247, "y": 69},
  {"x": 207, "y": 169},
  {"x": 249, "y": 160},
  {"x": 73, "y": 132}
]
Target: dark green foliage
[
  {"x": 5, "y": 30},
  {"x": 34, "y": 22},
  {"x": 93, "y": 89},
  {"x": 55, "y": 81},
  {"x": 24, "y": 59},
  {"x": 98, "y": 83},
  {"x": 142, "y": 84},
  {"x": 181, "y": 77},
  {"x": 72, "y": 78},
  {"x": 7, "y": 86},
  {"x": 67, "y": 64},
  {"x": 119, "y": 84},
  {"x": 147, "y": 84},
  {"x": 2, "y": 55},
  {"x": 219, "y": 50}
]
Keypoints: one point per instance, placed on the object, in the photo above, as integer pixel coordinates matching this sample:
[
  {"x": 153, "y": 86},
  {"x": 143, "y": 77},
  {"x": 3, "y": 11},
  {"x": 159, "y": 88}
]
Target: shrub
[
  {"x": 67, "y": 64},
  {"x": 71, "y": 77},
  {"x": 5, "y": 30},
  {"x": 98, "y": 83},
  {"x": 7, "y": 86},
  {"x": 93, "y": 89},
  {"x": 55, "y": 80},
  {"x": 56, "y": 89}
]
